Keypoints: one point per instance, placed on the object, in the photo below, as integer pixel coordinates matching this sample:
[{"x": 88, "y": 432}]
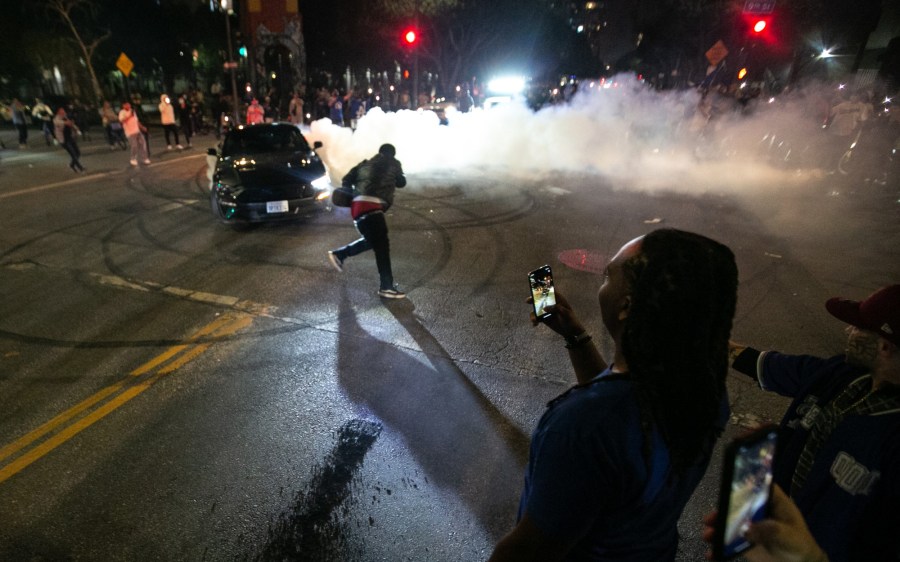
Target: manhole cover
[{"x": 583, "y": 260}]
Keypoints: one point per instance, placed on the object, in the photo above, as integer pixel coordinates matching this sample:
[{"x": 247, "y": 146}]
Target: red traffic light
[
  {"x": 759, "y": 26},
  {"x": 410, "y": 36}
]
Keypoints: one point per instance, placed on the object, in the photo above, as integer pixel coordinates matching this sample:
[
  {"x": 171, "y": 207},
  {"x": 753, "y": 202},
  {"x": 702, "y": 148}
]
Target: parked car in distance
[{"x": 266, "y": 172}]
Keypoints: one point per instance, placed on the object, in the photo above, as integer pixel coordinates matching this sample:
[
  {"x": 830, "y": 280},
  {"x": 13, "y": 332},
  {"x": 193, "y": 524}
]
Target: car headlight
[{"x": 321, "y": 184}]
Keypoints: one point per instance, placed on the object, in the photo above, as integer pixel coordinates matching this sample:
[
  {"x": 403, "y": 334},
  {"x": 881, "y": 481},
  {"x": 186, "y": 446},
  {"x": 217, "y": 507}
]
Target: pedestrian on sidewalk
[
  {"x": 336, "y": 108},
  {"x": 66, "y": 132},
  {"x": 255, "y": 113},
  {"x": 134, "y": 130},
  {"x": 374, "y": 180},
  {"x": 42, "y": 112},
  {"x": 295, "y": 109},
  {"x": 112, "y": 127},
  {"x": 137, "y": 105},
  {"x": 77, "y": 112},
  {"x": 17, "y": 111},
  {"x": 186, "y": 119},
  {"x": 167, "y": 117}
]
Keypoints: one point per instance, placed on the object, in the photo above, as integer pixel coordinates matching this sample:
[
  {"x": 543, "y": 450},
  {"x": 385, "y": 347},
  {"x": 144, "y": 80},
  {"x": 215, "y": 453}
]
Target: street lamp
[{"x": 231, "y": 64}]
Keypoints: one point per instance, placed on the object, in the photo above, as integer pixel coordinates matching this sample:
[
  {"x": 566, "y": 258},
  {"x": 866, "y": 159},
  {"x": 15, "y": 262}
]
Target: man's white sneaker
[
  {"x": 179, "y": 147},
  {"x": 147, "y": 161},
  {"x": 134, "y": 162},
  {"x": 169, "y": 147},
  {"x": 391, "y": 294},
  {"x": 336, "y": 262}
]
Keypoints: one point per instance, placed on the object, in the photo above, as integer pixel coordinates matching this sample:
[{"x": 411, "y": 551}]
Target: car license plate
[{"x": 276, "y": 206}]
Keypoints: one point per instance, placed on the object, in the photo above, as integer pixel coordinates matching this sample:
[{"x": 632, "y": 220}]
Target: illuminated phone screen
[
  {"x": 542, "y": 290},
  {"x": 748, "y": 491}
]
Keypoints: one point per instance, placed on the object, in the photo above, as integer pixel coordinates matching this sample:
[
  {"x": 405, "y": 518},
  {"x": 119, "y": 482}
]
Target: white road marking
[
  {"x": 235, "y": 303},
  {"x": 81, "y": 179}
]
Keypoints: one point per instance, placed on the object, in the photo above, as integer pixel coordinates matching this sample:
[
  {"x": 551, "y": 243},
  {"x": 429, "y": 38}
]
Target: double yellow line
[{"x": 91, "y": 410}]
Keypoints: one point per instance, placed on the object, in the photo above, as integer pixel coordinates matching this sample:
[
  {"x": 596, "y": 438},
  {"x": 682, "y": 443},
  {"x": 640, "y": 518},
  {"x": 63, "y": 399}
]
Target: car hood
[{"x": 272, "y": 169}]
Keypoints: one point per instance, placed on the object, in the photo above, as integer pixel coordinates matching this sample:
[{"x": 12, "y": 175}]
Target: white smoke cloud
[{"x": 637, "y": 137}]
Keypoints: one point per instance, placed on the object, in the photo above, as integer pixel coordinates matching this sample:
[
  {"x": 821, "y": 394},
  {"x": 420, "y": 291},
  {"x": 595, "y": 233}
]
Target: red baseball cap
[{"x": 879, "y": 313}]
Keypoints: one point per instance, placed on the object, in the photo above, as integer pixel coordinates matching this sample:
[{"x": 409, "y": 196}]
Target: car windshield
[{"x": 262, "y": 140}]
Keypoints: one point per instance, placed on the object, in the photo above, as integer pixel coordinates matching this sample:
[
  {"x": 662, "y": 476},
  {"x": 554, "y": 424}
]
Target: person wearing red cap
[{"x": 839, "y": 450}]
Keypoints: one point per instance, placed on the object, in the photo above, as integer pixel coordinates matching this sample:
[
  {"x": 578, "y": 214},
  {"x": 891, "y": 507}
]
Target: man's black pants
[
  {"x": 169, "y": 129},
  {"x": 373, "y": 228}
]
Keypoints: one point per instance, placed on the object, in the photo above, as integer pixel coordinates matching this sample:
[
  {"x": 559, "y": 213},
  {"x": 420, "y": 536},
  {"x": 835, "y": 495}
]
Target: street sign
[
  {"x": 124, "y": 64},
  {"x": 759, "y": 6},
  {"x": 228, "y": 65},
  {"x": 717, "y": 53}
]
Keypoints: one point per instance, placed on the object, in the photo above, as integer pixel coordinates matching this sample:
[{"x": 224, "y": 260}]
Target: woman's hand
[{"x": 562, "y": 319}]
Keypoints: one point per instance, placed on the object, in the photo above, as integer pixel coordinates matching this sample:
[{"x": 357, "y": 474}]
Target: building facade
[{"x": 276, "y": 55}]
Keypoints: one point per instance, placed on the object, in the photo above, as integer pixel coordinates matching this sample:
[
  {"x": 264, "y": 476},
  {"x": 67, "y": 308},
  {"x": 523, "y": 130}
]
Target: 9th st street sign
[{"x": 759, "y": 6}]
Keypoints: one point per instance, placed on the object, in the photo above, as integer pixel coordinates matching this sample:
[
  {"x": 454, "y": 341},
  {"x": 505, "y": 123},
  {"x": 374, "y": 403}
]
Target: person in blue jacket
[
  {"x": 614, "y": 459},
  {"x": 839, "y": 450}
]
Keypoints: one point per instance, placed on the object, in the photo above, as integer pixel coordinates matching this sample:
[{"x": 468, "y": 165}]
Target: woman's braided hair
[{"x": 675, "y": 339}]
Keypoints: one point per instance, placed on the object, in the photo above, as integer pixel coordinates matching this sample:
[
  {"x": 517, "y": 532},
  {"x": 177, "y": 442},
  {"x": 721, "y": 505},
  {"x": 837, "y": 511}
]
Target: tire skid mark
[{"x": 312, "y": 528}]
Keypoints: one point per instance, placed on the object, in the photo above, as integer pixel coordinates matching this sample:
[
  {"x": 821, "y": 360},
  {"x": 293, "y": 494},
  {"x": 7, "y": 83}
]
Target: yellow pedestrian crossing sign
[
  {"x": 124, "y": 64},
  {"x": 716, "y": 53}
]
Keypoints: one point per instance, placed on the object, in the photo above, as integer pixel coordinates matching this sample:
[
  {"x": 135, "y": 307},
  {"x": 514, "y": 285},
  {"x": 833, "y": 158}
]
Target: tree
[{"x": 67, "y": 10}]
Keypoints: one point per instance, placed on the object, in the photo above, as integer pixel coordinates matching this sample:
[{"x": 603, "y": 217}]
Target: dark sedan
[{"x": 266, "y": 172}]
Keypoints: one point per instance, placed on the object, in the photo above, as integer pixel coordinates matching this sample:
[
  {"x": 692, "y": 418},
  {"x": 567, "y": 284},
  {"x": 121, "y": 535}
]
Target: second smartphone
[{"x": 745, "y": 490}]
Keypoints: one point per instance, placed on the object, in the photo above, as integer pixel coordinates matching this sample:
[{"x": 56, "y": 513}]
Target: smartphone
[
  {"x": 745, "y": 490},
  {"x": 542, "y": 291}
]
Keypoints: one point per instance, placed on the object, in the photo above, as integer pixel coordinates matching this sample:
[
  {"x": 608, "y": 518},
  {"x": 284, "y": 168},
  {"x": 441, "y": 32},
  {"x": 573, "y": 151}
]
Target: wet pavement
[{"x": 270, "y": 408}]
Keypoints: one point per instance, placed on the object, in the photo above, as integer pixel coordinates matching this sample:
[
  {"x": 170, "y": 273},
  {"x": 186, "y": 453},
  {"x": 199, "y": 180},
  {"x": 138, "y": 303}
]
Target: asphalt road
[{"x": 171, "y": 389}]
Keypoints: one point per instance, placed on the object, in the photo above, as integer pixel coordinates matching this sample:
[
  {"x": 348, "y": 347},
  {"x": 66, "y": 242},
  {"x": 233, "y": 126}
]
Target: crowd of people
[
  {"x": 124, "y": 124},
  {"x": 192, "y": 112}
]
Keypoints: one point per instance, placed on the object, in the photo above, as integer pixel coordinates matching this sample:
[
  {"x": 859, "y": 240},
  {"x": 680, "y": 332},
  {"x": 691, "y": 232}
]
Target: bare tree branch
[{"x": 64, "y": 9}]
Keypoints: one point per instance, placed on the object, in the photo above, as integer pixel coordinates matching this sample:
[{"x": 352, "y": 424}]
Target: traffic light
[
  {"x": 410, "y": 37},
  {"x": 758, "y": 26}
]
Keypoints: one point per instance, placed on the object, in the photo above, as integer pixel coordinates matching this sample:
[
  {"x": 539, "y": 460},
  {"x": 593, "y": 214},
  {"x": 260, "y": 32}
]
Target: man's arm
[
  {"x": 586, "y": 359},
  {"x": 400, "y": 179},
  {"x": 349, "y": 179},
  {"x": 744, "y": 360}
]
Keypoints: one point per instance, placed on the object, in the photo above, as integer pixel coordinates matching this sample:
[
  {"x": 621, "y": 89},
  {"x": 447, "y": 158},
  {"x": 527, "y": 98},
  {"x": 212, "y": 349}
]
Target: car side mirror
[
  {"x": 212, "y": 152},
  {"x": 317, "y": 145}
]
